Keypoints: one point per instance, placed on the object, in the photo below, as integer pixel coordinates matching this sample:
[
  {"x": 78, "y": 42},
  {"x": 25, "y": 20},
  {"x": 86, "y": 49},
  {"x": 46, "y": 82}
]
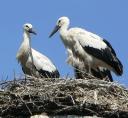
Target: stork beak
[
  {"x": 54, "y": 31},
  {"x": 32, "y": 31}
]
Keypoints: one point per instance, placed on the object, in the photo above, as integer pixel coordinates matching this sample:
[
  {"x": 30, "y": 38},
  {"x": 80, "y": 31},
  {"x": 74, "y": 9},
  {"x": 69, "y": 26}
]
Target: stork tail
[{"x": 118, "y": 67}]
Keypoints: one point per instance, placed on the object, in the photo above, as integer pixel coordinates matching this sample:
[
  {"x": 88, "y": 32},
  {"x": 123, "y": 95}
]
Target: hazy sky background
[{"x": 107, "y": 18}]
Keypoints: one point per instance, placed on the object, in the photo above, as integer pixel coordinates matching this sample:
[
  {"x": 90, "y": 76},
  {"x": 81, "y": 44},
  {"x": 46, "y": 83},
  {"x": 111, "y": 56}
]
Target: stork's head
[
  {"x": 28, "y": 28},
  {"x": 61, "y": 22}
]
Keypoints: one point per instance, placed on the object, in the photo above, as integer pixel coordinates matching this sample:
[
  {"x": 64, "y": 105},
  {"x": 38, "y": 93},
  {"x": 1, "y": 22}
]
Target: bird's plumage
[
  {"x": 33, "y": 62},
  {"x": 88, "y": 48},
  {"x": 110, "y": 47},
  {"x": 95, "y": 46},
  {"x": 80, "y": 69}
]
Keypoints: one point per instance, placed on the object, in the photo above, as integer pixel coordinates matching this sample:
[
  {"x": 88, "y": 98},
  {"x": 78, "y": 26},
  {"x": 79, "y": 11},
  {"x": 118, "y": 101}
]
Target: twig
[{"x": 25, "y": 104}]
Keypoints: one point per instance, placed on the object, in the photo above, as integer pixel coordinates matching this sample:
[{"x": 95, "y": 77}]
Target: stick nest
[{"x": 85, "y": 97}]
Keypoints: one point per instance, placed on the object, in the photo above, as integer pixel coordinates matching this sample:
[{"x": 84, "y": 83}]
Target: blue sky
[{"x": 109, "y": 19}]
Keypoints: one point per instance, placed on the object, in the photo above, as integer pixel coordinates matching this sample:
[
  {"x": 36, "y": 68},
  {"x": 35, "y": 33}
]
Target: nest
[{"x": 84, "y": 97}]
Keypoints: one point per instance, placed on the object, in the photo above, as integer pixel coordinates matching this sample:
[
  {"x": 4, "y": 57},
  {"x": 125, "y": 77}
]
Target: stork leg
[
  {"x": 89, "y": 69},
  {"x": 25, "y": 80},
  {"x": 78, "y": 73},
  {"x": 24, "y": 75},
  {"x": 89, "y": 73}
]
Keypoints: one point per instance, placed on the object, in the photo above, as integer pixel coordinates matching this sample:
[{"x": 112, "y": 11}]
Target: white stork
[
  {"x": 90, "y": 50},
  {"x": 34, "y": 63}
]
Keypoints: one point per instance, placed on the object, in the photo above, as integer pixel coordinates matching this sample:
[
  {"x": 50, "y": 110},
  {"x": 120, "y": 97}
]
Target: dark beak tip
[
  {"x": 50, "y": 36},
  {"x": 54, "y": 31},
  {"x": 34, "y": 33}
]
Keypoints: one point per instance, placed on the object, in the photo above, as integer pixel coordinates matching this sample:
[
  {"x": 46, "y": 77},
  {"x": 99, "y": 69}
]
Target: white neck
[
  {"x": 26, "y": 37},
  {"x": 26, "y": 40},
  {"x": 63, "y": 30},
  {"x": 25, "y": 46}
]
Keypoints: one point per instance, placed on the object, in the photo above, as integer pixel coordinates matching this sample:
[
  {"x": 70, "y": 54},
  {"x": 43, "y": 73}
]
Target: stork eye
[
  {"x": 59, "y": 21},
  {"x": 27, "y": 26}
]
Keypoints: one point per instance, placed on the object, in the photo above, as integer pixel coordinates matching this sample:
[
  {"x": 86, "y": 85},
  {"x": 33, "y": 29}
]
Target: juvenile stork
[
  {"x": 34, "y": 63},
  {"x": 90, "y": 50}
]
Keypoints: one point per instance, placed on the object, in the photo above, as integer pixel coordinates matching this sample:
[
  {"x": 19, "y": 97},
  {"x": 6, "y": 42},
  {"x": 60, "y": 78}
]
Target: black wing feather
[
  {"x": 107, "y": 55},
  {"x": 47, "y": 74},
  {"x": 109, "y": 45}
]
